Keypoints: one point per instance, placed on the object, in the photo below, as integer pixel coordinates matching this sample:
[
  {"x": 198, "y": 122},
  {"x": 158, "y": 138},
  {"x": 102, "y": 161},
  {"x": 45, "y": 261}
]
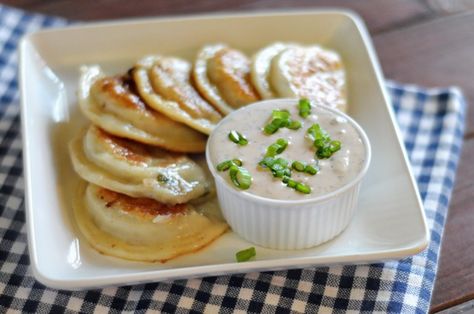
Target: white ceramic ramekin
[{"x": 290, "y": 224}]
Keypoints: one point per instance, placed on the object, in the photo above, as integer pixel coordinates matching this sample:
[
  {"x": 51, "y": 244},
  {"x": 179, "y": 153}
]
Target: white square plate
[{"x": 389, "y": 222}]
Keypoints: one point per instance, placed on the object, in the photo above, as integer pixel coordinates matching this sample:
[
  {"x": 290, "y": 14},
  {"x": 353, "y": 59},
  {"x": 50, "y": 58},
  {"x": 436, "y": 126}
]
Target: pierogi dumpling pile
[
  {"x": 228, "y": 79},
  {"x": 142, "y": 197}
]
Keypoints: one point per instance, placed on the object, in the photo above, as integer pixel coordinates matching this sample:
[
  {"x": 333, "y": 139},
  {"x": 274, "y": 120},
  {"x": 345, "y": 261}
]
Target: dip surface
[{"x": 334, "y": 172}]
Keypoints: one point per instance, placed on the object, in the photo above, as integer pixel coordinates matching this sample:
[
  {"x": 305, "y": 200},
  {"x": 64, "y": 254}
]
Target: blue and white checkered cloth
[{"x": 432, "y": 123}]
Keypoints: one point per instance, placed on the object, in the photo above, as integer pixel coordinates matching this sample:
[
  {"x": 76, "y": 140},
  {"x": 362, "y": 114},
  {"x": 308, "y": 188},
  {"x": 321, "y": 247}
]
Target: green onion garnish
[
  {"x": 276, "y": 148},
  {"x": 298, "y": 186},
  {"x": 240, "y": 177},
  {"x": 272, "y": 150},
  {"x": 238, "y": 174},
  {"x": 162, "y": 178},
  {"x": 278, "y": 166},
  {"x": 283, "y": 144},
  {"x": 303, "y": 167},
  {"x": 237, "y": 162},
  {"x": 237, "y": 138},
  {"x": 245, "y": 255},
  {"x": 304, "y": 107},
  {"x": 281, "y": 114},
  {"x": 311, "y": 170},
  {"x": 281, "y": 119},
  {"x": 223, "y": 166},
  {"x": 275, "y": 125},
  {"x": 291, "y": 183},
  {"x": 325, "y": 146},
  {"x": 270, "y": 128},
  {"x": 298, "y": 166},
  {"x": 294, "y": 125},
  {"x": 303, "y": 188}
]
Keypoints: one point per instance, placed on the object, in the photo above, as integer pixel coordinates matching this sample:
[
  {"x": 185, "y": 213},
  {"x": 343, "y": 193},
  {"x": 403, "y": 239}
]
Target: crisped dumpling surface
[
  {"x": 164, "y": 82},
  {"x": 310, "y": 72},
  {"x": 113, "y": 104},
  {"x": 142, "y": 229},
  {"x": 136, "y": 169},
  {"x": 222, "y": 75}
]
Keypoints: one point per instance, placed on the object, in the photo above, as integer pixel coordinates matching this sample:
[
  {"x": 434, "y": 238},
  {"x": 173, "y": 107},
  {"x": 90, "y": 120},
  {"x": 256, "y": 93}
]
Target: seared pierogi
[
  {"x": 113, "y": 104},
  {"x": 136, "y": 169},
  {"x": 222, "y": 75},
  {"x": 164, "y": 83},
  {"x": 142, "y": 229},
  {"x": 261, "y": 68},
  {"x": 310, "y": 72}
]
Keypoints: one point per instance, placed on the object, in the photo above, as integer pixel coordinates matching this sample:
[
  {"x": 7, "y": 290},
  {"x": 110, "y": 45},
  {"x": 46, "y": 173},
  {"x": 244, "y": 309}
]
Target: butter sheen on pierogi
[
  {"x": 113, "y": 104},
  {"x": 289, "y": 70},
  {"x": 165, "y": 84},
  {"x": 222, "y": 76},
  {"x": 136, "y": 169},
  {"x": 143, "y": 229}
]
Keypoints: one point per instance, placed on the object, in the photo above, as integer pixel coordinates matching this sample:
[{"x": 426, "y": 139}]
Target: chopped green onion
[
  {"x": 310, "y": 170},
  {"x": 325, "y": 147},
  {"x": 237, "y": 162},
  {"x": 291, "y": 183},
  {"x": 238, "y": 138},
  {"x": 302, "y": 167},
  {"x": 245, "y": 255},
  {"x": 275, "y": 125},
  {"x": 294, "y": 125},
  {"x": 316, "y": 133},
  {"x": 283, "y": 144},
  {"x": 298, "y": 186},
  {"x": 303, "y": 188},
  {"x": 162, "y": 178},
  {"x": 304, "y": 107},
  {"x": 267, "y": 162},
  {"x": 298, "y": 166},
  {"x": 270, "y": 128},
  {"x": 238, "y": 174},
  {"x": 281, "y": 114},
  {"x": 272, "y": 150},
  {"x": 278, "y": 166},
  {"x": 223, "y": 166},
  {"x": 281, "y": 119},
  {"x": 276, "y": 148},
  {"x": 328, "y": 149},
  {"x": 335, "y": 145},
  {"x": 240, "y": 177},
  {"x": 282, "y": 173}
]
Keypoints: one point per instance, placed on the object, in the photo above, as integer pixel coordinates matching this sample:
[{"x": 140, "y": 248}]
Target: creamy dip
[{"x": 334, "y": 172}]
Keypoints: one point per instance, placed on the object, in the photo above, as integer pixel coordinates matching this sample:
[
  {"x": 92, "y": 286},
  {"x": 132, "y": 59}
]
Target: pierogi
[
  {"x": 287, "y": 70},
  {"x": 261, "y": 66},
  {"x": 135, "y": 169},
  {"x": 142, "y": 229},
  {"x": 113, "y": 104},
  {"x": 222, "y": 76},
  {"x": 164, "y": 83}
]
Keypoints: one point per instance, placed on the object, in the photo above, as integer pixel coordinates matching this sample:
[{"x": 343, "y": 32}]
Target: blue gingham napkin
[{"x": 431, "y": 121}]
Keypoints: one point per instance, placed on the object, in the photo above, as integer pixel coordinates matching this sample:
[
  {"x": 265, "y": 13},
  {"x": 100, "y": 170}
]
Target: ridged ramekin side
[{"x": 288, "y": 226}]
